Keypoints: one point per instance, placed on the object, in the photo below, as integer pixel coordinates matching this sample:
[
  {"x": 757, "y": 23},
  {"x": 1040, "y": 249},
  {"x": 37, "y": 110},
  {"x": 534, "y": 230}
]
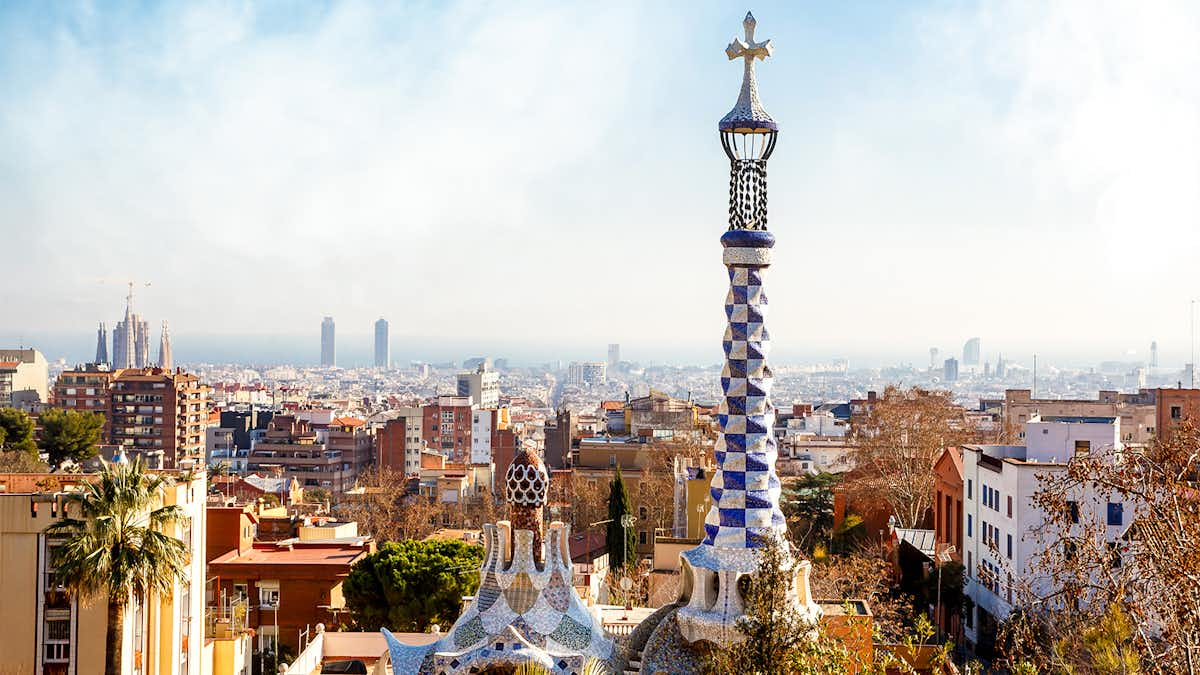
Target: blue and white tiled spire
[
  {"x": 745, "y": 489},
  {"x": 745, "y": 515}
]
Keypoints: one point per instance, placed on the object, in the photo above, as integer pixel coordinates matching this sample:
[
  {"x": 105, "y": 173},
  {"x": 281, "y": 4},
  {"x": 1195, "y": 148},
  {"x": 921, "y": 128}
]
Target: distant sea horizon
[{"x": 357, "y": 350}]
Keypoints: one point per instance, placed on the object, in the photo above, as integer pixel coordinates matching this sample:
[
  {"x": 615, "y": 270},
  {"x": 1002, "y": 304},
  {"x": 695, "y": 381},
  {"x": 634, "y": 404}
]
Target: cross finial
[
  {"x": 749, "y": 49},
  {"x": 748, "y": 113}
]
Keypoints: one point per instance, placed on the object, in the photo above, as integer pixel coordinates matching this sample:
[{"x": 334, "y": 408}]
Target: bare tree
[
  {"x": 898, "y": 443},
  {"x": 1136, "y": 592},
  {"x": 384, "y": 509},
  {"x": 864, "y": 575}
]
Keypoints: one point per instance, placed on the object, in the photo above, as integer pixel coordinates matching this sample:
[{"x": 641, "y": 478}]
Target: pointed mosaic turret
[
  {"x": 526, "y": 609},
  {"x": 745, "y": 515}
]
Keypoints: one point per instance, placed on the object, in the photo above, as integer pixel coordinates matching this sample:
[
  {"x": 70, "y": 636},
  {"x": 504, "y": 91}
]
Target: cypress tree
[{"x": 621, "y": 550}]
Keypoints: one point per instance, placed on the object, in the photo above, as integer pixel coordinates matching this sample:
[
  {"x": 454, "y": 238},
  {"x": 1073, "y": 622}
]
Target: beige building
[
  {"x": 24, "y": 377},
  {"x": 48, "y": 632},
  {"x": 1136, "y": 411}
]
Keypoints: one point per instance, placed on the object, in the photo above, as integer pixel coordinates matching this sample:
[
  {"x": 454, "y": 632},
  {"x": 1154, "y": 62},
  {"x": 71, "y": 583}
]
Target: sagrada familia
[{"x": 526, "y": 609}]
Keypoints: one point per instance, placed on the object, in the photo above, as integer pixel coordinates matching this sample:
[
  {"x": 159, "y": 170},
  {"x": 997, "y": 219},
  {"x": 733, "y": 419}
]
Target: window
[
  {"x": 969, "y": 525},
  {"x": 1114, "y": 552},
  {"x": 58, "y": 652},
  {"x": 1176, "y": 412},
  {"x": 1010, "y": 506},
  {"x": 642, "y": 538},
  {"x": 1010, "y": 547},
  {"x": 970, "y": 486},
  {"x": 58, "y": 629},
  {"x": 268, "y": 596},
  {"x": 642, "y": 512},
  {"x": 1083, "y": 448},
  {"x": 1073, "y": 511},
  {"x": 1116, "y": 513},
  {"x": 1069, "y": 549}
]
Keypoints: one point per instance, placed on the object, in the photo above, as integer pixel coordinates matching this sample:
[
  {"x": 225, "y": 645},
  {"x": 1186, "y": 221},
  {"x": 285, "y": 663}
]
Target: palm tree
[
  {"x": 117, "y": 546},
  {"x": 218, "y": 470}
]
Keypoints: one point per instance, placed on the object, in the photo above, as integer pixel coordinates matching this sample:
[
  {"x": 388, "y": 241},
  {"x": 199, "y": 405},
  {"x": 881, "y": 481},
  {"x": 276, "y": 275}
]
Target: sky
[{"x": 546, "y": 178}]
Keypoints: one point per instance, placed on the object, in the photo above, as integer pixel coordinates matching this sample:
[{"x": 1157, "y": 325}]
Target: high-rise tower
[
  {"x": 328, "y": 355},
  {"x": 971, "y": 353},
  {"x": 164, "y": 349},
  {"x": 383, "y": 350},
  {"x": 101, "y": 344},
  {"x": 745, "y": 516}
]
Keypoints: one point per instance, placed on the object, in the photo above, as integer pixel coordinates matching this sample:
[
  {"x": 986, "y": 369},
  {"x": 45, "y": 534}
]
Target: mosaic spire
[{"x": 745, "y": 514}]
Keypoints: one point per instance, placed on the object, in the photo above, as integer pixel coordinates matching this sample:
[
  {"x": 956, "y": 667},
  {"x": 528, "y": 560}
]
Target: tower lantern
[{"x": 748, "y": 135}]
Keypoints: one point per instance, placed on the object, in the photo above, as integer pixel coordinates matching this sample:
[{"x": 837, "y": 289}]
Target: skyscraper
[
  {"x": 101, "y": 344},
  {"x": 328, "y": 355},
  {"x": 933, "y": 354},
  {"x": 950, "y": 369},
  {"x": 383, "y": 349},
  {"x": 1154, "y": 354},
  {"x": 614, "y": 354},
  {"x": 971, "y": 353},
  {"x": 164, "y": 349}
]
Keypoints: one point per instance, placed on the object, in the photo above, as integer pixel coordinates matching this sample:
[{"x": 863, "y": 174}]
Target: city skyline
[{"x": 1028, "y": 126}]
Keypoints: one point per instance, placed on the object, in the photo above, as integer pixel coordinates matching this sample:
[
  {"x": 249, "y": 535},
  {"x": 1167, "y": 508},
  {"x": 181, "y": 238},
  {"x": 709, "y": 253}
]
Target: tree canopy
[
  {"x": 16, "y": 431},
  {"x": 808, "y": 505},
  {"x": 409, "y": 585},
  {"x": 70, "y": 434}
]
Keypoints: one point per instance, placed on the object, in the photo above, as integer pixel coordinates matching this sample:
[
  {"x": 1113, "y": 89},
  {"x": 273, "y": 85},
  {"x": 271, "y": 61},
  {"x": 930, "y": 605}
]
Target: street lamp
[
  {"x": 626, "y": 584},
  {"x": 942, "y": 558}
]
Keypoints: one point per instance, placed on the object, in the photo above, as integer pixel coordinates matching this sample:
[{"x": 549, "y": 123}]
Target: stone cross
[
  {"x": 749, "y": 49},
  {"x": 748, "y": 113}
]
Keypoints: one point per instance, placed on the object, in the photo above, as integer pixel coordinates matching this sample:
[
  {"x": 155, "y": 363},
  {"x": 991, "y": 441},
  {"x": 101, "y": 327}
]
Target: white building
[
  {"x": 24, "y": 374},
  {"x": 587, "y": 373},
  {"x": 483, "y": 423},
  {"x": 482, "y": 386},
  {"x": 1000, "y": 542}
]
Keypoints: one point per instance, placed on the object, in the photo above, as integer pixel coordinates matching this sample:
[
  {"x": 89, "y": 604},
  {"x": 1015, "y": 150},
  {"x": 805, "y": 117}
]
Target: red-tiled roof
[{"x": 298, "y": 554}]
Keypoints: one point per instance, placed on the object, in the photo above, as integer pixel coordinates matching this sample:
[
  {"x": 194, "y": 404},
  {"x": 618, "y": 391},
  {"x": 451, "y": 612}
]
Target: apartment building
[
  {"x": 85, "y": 388},
  {"x": 289, "y": 585},
  {"x": 24, "y": 375},
  {"x": 47, "y": 631},
  {"x": 1173, "y": 407},
  {"x": 1000, "y": 519},
  {"x": 329, "y": 458},
  {"x": 399, "y": 441},
  {"x": 446, "y": 426},
  {"x": 1136, "y": 411},
  {"x": 481, "y": 386},
  {"x": 158, "y": 413}
]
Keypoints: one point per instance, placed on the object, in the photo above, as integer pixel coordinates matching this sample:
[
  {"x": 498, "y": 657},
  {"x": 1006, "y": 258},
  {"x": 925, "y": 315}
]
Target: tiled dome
[{"x": 526, "y": 481}]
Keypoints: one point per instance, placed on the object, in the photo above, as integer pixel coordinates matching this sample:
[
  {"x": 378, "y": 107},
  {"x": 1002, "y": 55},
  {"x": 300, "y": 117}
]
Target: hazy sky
[{"x": 550, "y": 173}]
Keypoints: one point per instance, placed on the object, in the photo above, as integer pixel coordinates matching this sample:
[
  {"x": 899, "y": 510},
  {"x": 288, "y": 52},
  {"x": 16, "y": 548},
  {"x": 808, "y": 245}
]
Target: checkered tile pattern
[{"x": 745, "y": 488}]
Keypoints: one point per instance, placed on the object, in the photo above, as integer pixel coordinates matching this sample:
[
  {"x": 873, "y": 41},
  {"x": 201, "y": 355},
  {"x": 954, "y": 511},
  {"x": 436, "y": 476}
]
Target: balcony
[{"x": 57, "y": 599}]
